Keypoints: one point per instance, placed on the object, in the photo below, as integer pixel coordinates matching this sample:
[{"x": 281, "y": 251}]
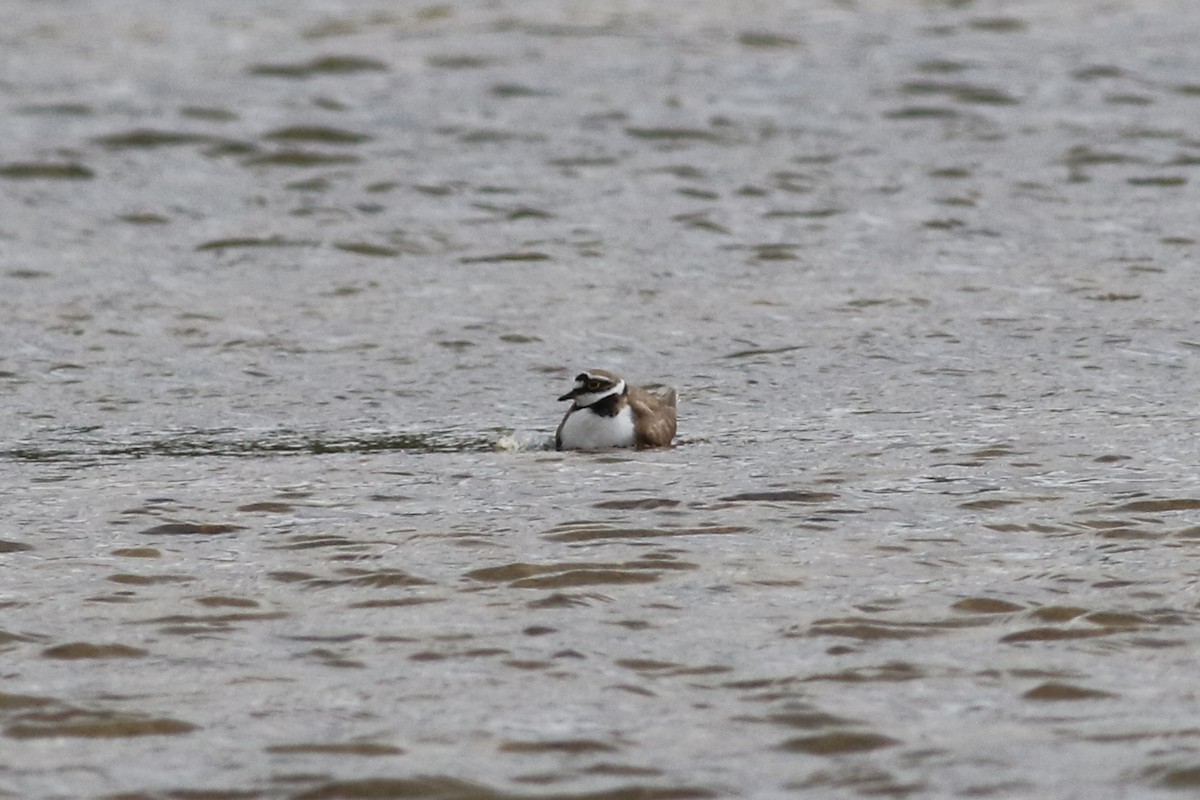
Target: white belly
[{"x": 587, "y": 431}]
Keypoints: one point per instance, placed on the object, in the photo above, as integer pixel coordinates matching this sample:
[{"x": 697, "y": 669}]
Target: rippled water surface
[{"x": 287, "y": 291}]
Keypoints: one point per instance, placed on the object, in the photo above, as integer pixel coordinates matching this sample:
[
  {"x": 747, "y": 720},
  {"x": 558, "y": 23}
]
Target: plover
[{"x": 607, "y": 412}]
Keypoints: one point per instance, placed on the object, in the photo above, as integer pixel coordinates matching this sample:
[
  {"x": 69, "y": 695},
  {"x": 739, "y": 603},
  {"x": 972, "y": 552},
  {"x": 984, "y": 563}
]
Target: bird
[{"x": 606, "y": 412}]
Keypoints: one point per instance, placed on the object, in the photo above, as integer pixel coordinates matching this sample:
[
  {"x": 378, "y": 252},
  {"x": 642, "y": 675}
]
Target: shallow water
[{"x": 287, "y": 292}]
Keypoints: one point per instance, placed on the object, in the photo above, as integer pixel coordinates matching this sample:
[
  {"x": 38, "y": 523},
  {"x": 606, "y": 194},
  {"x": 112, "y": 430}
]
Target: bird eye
[{"x": 594, "y": 385}]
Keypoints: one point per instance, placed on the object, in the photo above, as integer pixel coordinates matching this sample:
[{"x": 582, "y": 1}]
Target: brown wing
[{"x": 654, "y": 416}]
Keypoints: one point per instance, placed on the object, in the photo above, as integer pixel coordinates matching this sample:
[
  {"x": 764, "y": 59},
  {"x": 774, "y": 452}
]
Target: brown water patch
[
  {"x": 268, "y": 508},
  {"x": 673, "y": 135},
  {"x": 805, "y": 213},
  {"x": 988, "y": 505},
  {"x": 864, "y": 780},
  {"x": 144, "y": 218},
  {"x": 1140, "y": 736},
  {"x": 396, "y": 602},
  {"x": 79, "y": 723},
  {"x": 316, "y": 133},
  {"x": 483, "y": 136},
  {"x": 335, "y": 638},
  {"x": 555, "y": 576},
  {"x": 45, "y": 171},
  {"x": 960, "y": 92},
  {"x": 1013, "y": 528},
  {"x": 148, "y": 139},
  {"x": 421, "y": 787},
  {"x": 621, "y": 770},
  {"x": 1116, "y": 619},
  {"x": 565, "y": 600},
  {"x": 78, "y": 650},
  {"x": 1059, "y": 634},
  {"x": 767, "y": 40},
  {"x": 318, "y": 184},
  {"x": 148, "y": 580},
  {"x": 986, "y": 605},
  {"x": 511, "y": 90},
  {"x": 584, "y": 577},
  {"x": 376, "y": 579},
  {"x": 500, "y": 258},
  {"x": 190, "y": 529},
  {"x": 838, "y": 743},
  {"x": 299, "y": 158},
  {"x": 476, "y": 652},
  {"x": 458, "y": 62},
  {"x": 528, "y": 664},
  {"x": 944, "y": 224},
  {"x": 1158, "y": 506},
  {"x": 287, "y": 576},
  {"x": 584, "y": 161},
  {"x": 319, "y": 541},
  {"x": 1083, "y": 155},
  {"x": 1058, "y": 613},
  {"x": 595, "y": 533},
  {"x": 7, "y": 546},
  {"x": 954, "y": 173},
  {"x": 1158, "y": 180},
  {"x": 203, "y": 624},
  {"x": 764, "y": 683},
  {"x": 368, "y": 249},
  {"x": 510, "y": 213},
  {"x": 700, "y": 221},
  {"x": 1128, "y": 99},
  {"x": 999, "y": 24},
  {"x": 921, "y": 112},
  {"x": 892, "y": 672},
  {"x": 634, "y": 624},
  {"x": 337, "y": 748},
  {"x": 519, "y": 338},
  {"x": 1053, "y": 691},
  {"x": 538, "y": 630},
  {"x": 782, "y": 497},
  {"x": 803, "y": 720},
  {"x": 208, "y": 113},
  {"x": 868, "y": 629},
  {"x": 763, "y": 351},
  {"x": 1131, "y": 533},
  {"x": 779, "y": 251},
  {"x": 942, "y": 65},
  {"x": 322, "y": 65},
  {"x": 571, "y": 746},
  {"x": 454, "y": 789},
  {"x": 9, "y": 702},
  {"x": 66, "y": 109},
  {"x": 219, "y": 601},
  {"x": 1187, "y": 778},
  {"x": 331, "y": 658},
  {"x": 647, "y": 666},
  {"x": 1097, "y": 72},
  {"x": 522, "y": 575}
]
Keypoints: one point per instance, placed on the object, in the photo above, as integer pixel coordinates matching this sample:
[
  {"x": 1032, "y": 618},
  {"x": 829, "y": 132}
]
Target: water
[{"x": 288, "y": 291}]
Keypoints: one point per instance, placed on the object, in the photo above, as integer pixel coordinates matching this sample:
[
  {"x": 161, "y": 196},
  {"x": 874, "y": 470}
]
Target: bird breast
[{"x": 585, "y": 430}]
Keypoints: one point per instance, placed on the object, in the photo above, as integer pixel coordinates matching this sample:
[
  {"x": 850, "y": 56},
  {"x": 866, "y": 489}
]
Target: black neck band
[{"x": 608, "y": 406}]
